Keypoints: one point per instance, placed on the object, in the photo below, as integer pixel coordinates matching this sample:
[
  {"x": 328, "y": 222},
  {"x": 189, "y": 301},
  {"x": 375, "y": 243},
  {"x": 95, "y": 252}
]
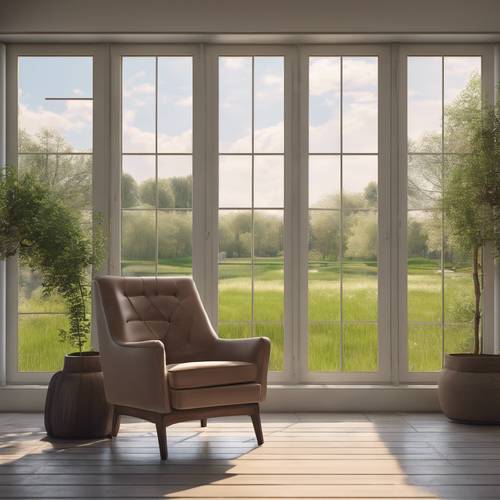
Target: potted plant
[
  {"x": 469, "y": 384},
  {"x": 49, "y": 238}
]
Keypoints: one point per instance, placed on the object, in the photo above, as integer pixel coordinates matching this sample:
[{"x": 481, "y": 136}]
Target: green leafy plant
[
  {"x": 471, "y": 196},
  {"x": 49, "y": 238}
]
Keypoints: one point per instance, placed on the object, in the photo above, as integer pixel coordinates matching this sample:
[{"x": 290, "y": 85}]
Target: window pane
[
  {"x": 174, "y": 242},
  {"x": 269, "y": 105},
  {"x": 30, "y": 295},
  {"x": 360, "y": 104},
  {"x": 359, "y": 182},
  {"x": 324, "y": 181},
  {"x": 324, "y": 265},
  {"x": 175, "y": 105},
  {"x": 138, "y": 181},
  {"x": 425, "y": 348},
  {"x": 235, "y": 290},
  {"x": 360, "y": 348},
  {"x": 235, "y": 104},
  {"x": 269, "y": 181},
  {"x": 55, "y": 111},
  {"x": 235, "y": 181},
  {"x": 324, "y": 346},
  {"x": 39, "y": 348},
  {"x": 425, "y": 181},
  {"x": 462, "y": 100},
  {"x": 324, "y": 104},
  {"x": 138, "y": 104},
  {"x": 175, "y": 181},
  {"x": 360, "y": 268},
  {"x": 424, "y": 266},
  {"x": 425, "y": 104},
  {"x": 275, "y": 333},
  {"x": 138, "y": 242}
]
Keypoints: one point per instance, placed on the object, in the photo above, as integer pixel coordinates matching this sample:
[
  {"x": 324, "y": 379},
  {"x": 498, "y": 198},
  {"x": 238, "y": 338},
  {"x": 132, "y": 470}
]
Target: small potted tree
[
  {"x": 49, "y": 238},
  {"x": 469, "y": 385}
]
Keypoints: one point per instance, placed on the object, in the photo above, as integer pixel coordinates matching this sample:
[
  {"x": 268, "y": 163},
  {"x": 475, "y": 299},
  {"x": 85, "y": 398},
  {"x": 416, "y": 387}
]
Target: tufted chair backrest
[{"x": 165, "y": 309}]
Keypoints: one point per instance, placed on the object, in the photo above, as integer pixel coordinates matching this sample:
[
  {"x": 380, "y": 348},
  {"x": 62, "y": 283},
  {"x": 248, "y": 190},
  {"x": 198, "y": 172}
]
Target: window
[
  {"x": 343, "y": 214},
  {"x": 55, "y": 144},
  {"x": 251, "y": 255},
  {"x": 442, "y": 91},
  {"x": 157, "y": 165},
  {"x": 299, "y": 186}
]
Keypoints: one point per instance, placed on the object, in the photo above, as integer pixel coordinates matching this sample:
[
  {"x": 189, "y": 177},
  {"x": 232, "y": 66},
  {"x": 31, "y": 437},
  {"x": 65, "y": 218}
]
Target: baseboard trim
[{"x": 281, "y": 398}]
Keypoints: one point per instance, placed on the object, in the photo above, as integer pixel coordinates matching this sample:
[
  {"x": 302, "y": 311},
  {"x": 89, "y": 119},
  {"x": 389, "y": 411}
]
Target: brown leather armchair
[{"x": 163, "y": 362}]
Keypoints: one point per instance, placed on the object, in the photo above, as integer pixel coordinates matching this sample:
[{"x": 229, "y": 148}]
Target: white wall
[{"x": 249, "y": 16}]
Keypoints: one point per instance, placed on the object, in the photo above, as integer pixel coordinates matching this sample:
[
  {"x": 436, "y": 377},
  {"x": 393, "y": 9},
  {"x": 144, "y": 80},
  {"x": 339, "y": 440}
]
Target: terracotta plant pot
[
  {"x": 76, "y": 405},
  {"x": 469, "y": 388}
]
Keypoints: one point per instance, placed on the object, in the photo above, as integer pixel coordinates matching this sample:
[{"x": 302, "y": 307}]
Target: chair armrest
[
  {"x": 252, "y": 350},
  {"x": 135, "y": 375}
]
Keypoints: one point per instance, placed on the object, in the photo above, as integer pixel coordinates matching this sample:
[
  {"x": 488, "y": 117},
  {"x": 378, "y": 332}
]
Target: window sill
[{"x": 284, "y": 398}]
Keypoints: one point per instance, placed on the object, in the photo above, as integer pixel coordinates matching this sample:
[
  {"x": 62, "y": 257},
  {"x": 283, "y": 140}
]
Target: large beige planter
[{"x": 469, "y": 388}]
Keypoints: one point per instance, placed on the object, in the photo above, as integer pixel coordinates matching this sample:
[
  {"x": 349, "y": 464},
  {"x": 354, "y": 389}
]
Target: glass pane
[
  {"x": 359, "y": 181},
  {"x": 269, "y": 104},
  {"x": 235, "y": 330},
  {"x": 235, "y": 235},
  {"x": 235, "y": 291},
  {"x": 63, "y": 123},
  {"x": 138, "y": 104},
  {"x": 459, "y": 338},
  {"x": 276, "y": 335},
  {"x": 360, "y": 104},
  {"x": 459, "y": 299},
  {"x": 324, "y": 104},
  {"x": 175, "y": 105},
  {"x": 175, "y": 181},
  {"x": 68, "y": 175},
  {"x": 269, "y": 181},
  {"x": 462, "y": 100},
  {"x": 360, "y": 347},
  {"x": 424, "y": 266},
  {"x": 424, "y": 104},
  {"x": 425, "y": 350},
  {"x": 324, "y": 266},
  {"x": 138, "y": 181},
  {"x": 268, "y": 266},
  {"x": 324, "y": 347},
  {"x": 425, "y": 181},
  {"x": 174, "y": 242},
  {"x": 235, "y": 181},
  {"x": 235, "y": 104},
  {"x": 360, "y": 268},
  {"x": 39, "y": 348},
  {"x": 324, "y": 181},
  {"x": 31, "y": 298},
  {"x": 138, "y": 242}
]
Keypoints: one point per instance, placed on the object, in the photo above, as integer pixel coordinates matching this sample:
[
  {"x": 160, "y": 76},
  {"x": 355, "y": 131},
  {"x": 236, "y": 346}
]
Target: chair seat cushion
[
  {"x": 210, "y": 373},
  {"x": 223, "y": 395}
]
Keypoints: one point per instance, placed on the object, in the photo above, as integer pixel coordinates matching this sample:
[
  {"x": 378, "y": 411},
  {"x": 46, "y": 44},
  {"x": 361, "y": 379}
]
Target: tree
[
  {"x": 130, "y": 191},
  {"x": 472, "y": 195},
  {"x": 362, "y": 238}
]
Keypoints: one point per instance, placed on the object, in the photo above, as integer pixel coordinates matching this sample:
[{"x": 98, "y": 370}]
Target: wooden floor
[{"x": 305, "y": 456}]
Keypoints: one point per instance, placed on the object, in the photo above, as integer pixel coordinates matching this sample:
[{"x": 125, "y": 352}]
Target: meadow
[{"x": 337, "y": 342}]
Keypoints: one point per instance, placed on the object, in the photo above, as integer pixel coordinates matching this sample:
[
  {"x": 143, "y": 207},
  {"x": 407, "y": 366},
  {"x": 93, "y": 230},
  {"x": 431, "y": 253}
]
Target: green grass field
[{"x": 351, "y": 346}]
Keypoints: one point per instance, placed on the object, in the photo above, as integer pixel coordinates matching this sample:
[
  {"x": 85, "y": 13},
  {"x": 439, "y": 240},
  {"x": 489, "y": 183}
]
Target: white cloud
[
  {"x": 186, "y": 102},
  {"x": 267, "y": 140}
]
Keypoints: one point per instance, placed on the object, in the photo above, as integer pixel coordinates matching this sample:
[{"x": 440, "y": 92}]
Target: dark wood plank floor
[{"x": 305, "y": 456}]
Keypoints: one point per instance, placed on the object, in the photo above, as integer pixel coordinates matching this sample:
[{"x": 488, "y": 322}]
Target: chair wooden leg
[
  {"x": 257, "y": 426},
  {"x": 161, "y": 431},
  {"x": 115, "y": 426},
  {"x": 203, "y": 422}
]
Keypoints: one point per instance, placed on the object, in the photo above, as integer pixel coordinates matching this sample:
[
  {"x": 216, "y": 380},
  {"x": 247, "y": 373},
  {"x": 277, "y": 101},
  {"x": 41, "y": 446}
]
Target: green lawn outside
[{"x": 40, "y": 349}]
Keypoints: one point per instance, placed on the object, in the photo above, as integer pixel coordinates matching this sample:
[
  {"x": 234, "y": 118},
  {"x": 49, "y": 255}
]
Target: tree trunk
[{"x": 477, "y": 293}]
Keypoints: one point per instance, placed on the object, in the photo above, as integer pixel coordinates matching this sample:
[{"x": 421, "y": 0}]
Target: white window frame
[
  {"x": 384, "y": 103},
  {"x": 100, "y": 171},
  {"x": 488, "y": 90}
]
